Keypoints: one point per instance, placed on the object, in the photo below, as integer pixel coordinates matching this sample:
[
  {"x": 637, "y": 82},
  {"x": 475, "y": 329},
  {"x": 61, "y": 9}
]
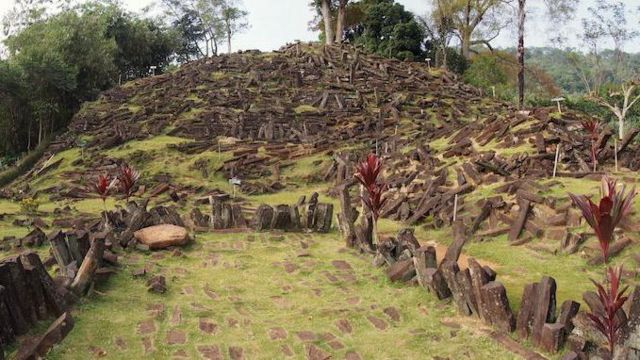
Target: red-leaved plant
[
  {"x": 592, "y": 127},
  {"x": 127, "y": 179},
  {"x": 612, "y": 299},
  {"x": 102, "y": 186},
  {"x": 605, "y": 216},
  {"x": 367, "y": 173}
]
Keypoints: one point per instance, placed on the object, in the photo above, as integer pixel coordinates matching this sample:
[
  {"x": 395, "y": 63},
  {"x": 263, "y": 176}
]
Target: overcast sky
[{"x": 276, "y": 22}]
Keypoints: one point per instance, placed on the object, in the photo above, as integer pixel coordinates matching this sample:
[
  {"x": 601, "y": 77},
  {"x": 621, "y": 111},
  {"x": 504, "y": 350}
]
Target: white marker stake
[
  {"x": 493, "y": 88},
  {"x": 615, "y": 152},
  {"x": 376, "y": 147},
  {"x": 455, "y": 206},
  {"x": 555, "y": 163}
]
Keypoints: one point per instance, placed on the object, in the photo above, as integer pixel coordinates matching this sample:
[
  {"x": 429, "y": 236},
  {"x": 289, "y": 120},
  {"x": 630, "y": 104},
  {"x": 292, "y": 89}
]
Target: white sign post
[
  {"x": 235, "y": 182},
  {"x": 455, "y": 207},
  {"x": 558, "y": 100},
  {"x": 555, "y": 163}
]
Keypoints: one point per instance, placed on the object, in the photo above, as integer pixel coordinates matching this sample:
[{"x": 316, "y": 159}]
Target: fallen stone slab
[
  {"x": 157, "y": 284},
  {"x": 162, "y": 236},
  {"x": 58, "y": 330}
]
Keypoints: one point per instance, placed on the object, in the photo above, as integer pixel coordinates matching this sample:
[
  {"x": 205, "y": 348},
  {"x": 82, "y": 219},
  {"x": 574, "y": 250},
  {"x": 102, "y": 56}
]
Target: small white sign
[{"x": 235, "y": 181}]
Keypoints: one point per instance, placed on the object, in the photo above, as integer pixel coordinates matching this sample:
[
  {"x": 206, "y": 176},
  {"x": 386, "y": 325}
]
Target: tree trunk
[
  {"x": 39, "y": 132},
  {"x": 521, "y": 19},
  {"x": 228, "y": 37},
  {"x": 29, "y": 134},
  {"x": 342, "y": 13},
  {"x": 465, "y": 46},
  {"x": 621, "y": 127},
  {"x": 326, "y": 18}
]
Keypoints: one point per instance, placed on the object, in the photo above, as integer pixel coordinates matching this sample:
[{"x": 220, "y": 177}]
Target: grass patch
[{"x": 304, "y": 109}]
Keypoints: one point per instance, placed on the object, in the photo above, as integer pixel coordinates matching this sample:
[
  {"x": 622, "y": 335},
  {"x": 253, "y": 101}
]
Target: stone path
[{"x": 266, "y": 296}]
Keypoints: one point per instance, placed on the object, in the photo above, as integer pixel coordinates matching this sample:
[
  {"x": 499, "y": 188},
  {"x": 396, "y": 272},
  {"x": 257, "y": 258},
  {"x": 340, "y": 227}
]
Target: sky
[{"x": 277, "y": 22}]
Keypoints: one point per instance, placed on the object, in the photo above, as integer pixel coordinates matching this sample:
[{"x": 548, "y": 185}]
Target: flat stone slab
[
  {"x": 277, "y": 333},
  {"x": 162, "y": 236},
  {"x": 210, "y": 352},
  {"x": 175, "y": 337}
]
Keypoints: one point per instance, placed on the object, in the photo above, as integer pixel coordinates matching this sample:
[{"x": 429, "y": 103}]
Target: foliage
[
  {"x": 234, "y": 20},
  {"x": 204, "y": 24},
  {"x": 24, "y": 165},
  {"x": 472, "y": 22},
  {"x": 383, "y": 27},
  {"x": 389, "y": 30},
  {"x": 56, "y": 61},
  {"x": 592, "y": 127},
  {"x": 367, "y": 173},
  {"x": 29, "y": 205},
  {"x": 454, "y": 61},
  {"x": 604, "y": 217},
  {"x": 611, "y": 300},
  {"x": 127, "y": 180},
  {"x": 141, "y": 43},
  {"x": 499, "y": 69},
  {"x": 102, "y": 186}
]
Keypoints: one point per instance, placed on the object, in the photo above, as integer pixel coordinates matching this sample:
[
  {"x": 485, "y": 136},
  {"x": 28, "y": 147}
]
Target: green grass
[
  {"x": 304, "y": 109},
  {"x": 219, "y": 75},
  {"x": 24, "y": 165},
  {"x": 287, "y": 300}
]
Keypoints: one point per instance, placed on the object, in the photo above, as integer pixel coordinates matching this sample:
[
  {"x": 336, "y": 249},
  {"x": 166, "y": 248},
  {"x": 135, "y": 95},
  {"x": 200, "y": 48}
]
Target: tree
[
  {"x": 65, "y": 58},
  {"x": 608, "y": 22},
  {"x": 234, "y": 20},
  {"x": 208, "y": 21},
  {"x": 190, "y": 32},
  {"x": 475, "y": 21},
  {"x": 325, "y": 9},
  {"x": 14, "y": 109},
  {"x": 204, "y": 15},
  {"x": 340, "y": 21},
  {"x": 521, "y": 18},
  {"x": 439, "y": 28},
  {"x": 346, "y": 15},
  {"x": 390, "y": 30},
  {"x": 619, "y": 102},
  {"x": 557, "y": 10}
]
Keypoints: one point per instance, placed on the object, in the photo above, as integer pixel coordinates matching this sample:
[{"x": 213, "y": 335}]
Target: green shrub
[{"x": 23, "y": 165}]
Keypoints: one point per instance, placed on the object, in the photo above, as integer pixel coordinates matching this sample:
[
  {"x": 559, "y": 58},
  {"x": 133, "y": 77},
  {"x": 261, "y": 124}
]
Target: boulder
[{"x": 162, "y": 236}]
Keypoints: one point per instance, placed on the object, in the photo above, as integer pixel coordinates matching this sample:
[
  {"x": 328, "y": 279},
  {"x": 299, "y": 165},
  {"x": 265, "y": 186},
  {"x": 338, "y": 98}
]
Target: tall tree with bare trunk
[
  {"x": 340, "y": 20},
  {"x": 556, "y": 10},
  {"x": 325, "y": 10},
  {"x": 521, "y": 19}
]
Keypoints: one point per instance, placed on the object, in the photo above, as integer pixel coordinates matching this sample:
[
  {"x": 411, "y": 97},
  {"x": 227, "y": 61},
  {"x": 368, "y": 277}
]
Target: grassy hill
[{"x": 277, "y": 121}]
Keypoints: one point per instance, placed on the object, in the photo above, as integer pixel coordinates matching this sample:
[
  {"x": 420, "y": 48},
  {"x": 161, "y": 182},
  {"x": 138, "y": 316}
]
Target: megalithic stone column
[{"x": 497, "y": 307}]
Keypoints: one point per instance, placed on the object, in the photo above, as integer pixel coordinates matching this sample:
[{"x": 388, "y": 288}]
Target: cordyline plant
[
  {"x": 102, "y": 186},
  {"x": 127, "y": 179},
  {"x": 367, "y": 173},
  {"x": 612, "y": 299},
  {"x": 605, "y": 216},
  {"x": 592, "y": 127}
]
